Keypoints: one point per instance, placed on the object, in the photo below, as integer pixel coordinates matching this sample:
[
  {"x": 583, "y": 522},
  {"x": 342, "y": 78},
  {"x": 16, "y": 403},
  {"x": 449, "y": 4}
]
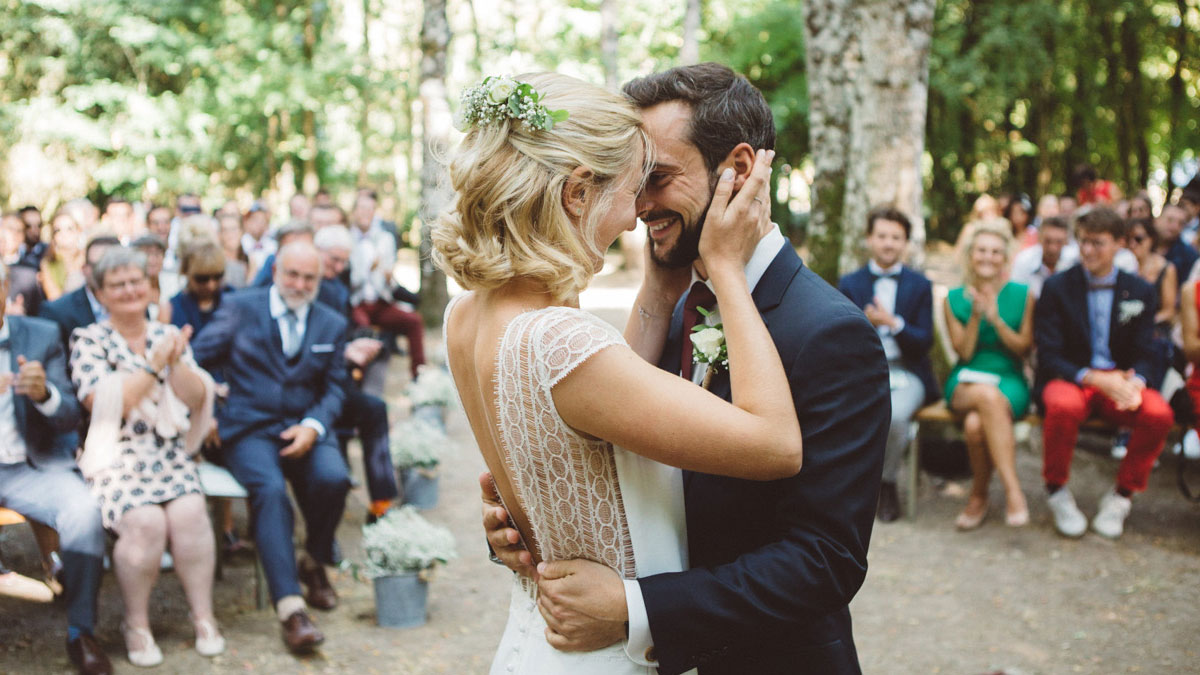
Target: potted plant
[
  {"x": 417, "y": 446},
  {"x": 432, "y": 393},
  {"x": 402, "y": 549}
]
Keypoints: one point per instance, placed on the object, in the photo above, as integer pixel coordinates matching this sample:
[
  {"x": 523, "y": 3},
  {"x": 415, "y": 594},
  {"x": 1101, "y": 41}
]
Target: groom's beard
[{"x": 687, "y": 244}]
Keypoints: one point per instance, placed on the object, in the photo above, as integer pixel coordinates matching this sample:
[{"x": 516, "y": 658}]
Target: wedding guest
[
  {"x": 1170, "y": 226},
  {"x": 1091, "y": 189},
  {"x": 256, "y": 243},
  {"x": 1094, "y": 327},
  {"x": 284, "y": 353},
  {"x": 33, "y": 248},
  {"x": 62, "y": 266},
  {"x": 38, "y": 475},
  {"x": 990, "y": 321},
  {"x": 24, "y": 290},
  {"x": 299, "y": 207},
  {"x": 120, "y": 219},
  {"x": 203, "y": 266},
  {"x": 1019, "y": 212},
  {"x": 85, "y": 213},
  {"x": 1154, "y": 269},
  {"x": 295, "y": 231},
  {"x": 1054, "y": 252},
  {"x": 236, "y": 261},
  {"x": 1189, "y": 201},
  {"x": 1047, "y": 207},
  {"x": 1066, "y": 207},
  {"x": 151, "y": 406},
  {"x": 12, "y": 228},
  {"x": 154, "y": 250},
  {"x": 1189, "y": 319},
  {"x": 324, "y": 215},
  {"x": 1141, "y": 207},
  {"x": 81, "y": 307},
  {"x": 898, "y": 302}
]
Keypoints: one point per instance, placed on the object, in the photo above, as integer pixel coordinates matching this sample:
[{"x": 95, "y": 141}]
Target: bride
[{"x": 545, "y": 180}]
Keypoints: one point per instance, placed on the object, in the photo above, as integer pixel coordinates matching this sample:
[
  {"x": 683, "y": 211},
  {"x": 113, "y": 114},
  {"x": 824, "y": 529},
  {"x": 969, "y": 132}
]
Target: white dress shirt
[
  {"x": 1028, "y": 267},
  {"x": 887, "y": 283},
  {"x": 12, "y": 445},
  {"x": 279, "y": 310},
  {"x": 258, "y": 250},
  {"x": 639, "y": 646},
  {"x": 371, "y": 264}
]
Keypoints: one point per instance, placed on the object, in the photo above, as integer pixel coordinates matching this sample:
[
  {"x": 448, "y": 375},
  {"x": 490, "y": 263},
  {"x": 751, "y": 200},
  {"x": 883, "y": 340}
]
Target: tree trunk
[
  {"x": 868, "y": 78},
  {"x": 308, "y": 120},
  {"x": 364, "y": 96},
  {"x": 689, "y": 53},
  {"x": 436, "y": 120},
  {"x": 608, "y": 43},
  {"x": 1178, "y": 98}
]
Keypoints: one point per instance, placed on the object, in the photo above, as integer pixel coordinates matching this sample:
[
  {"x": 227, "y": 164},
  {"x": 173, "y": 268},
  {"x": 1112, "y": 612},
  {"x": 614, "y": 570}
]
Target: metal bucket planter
[
  {"x": 419, "y": 487},
  {"x": 401, "y": 600},
  {"x": 434, "y": 414}
]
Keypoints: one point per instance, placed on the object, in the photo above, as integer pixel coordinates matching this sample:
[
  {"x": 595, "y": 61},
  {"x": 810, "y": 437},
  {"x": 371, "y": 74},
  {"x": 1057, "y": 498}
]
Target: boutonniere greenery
[
  {"x": 708, "y": 346},
  {"x": 1129, "y": 309}
]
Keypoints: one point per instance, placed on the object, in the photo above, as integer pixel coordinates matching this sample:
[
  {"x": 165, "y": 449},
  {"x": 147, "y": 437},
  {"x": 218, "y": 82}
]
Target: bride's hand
[{"x": 733, "y": 227}]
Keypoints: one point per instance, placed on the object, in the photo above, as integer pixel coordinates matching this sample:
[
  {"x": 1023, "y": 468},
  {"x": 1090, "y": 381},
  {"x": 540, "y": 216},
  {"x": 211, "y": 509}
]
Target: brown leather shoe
[
  {"x": 300, "y": 634},
  {"x": 320, "y": 592},
  {"x": 88, "y": 656}
]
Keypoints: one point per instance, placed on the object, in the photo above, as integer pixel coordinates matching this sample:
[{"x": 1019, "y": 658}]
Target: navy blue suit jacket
[
  {"x": 775, "y": 564},
  {"x": 50, "y": 442},
  {"x": 914, "y": 304},
  {"x": 71, "y": 311},
  {"x": 1064, "y": 334},
  {"x": 266, "y": 388}
]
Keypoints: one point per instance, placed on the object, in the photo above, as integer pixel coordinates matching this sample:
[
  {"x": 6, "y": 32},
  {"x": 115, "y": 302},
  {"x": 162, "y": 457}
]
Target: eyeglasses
[
  {"x": 207, "y": 278},
  {"x": 121, "y": 285}
]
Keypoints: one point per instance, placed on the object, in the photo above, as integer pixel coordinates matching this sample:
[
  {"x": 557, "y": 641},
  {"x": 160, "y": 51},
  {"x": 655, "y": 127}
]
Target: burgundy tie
[{"x": 699, "y": 296}]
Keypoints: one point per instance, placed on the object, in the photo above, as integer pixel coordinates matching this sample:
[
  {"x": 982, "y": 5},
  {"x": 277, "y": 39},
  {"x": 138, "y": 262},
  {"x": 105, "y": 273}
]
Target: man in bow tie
[
  {"x": 898, "y": 301},
  {"x": 1094, "y": 326},
  {"x": 286, "y": 376}
]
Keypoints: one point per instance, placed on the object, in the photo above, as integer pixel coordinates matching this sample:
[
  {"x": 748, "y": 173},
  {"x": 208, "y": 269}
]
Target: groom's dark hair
[{"x": 726, "y": 108}]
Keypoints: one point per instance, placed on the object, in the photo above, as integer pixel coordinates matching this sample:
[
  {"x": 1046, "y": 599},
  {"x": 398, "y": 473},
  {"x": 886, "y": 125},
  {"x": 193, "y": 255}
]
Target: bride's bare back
[{"x": 559, "y": 486}]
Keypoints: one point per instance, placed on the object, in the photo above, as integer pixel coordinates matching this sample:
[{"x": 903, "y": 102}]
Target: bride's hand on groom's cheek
[
  {"x": 583, "y": 603},
  {"x": 504, "y": 540}
]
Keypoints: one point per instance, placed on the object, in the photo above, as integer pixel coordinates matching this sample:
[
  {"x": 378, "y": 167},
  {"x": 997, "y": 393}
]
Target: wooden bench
[
  {"x": 217, "y": 482},
  {"x": 10, "y": 517},
  {"x": 16, "y": 585}
]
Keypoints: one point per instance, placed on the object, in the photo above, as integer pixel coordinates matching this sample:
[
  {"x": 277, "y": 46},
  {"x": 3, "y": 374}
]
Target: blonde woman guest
[
  {"x": 237, "y": 263},
  {"x": 62, "y": 266},
  {"x": 990, "y": 321},
  {"x": 561, "y": 196},
  {"x": 151, "y": 407}
]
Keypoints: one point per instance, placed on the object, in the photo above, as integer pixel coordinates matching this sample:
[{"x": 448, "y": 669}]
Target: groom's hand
[
  {"x": 583, "y": 603},
  {"x": 504, "y": 540}
]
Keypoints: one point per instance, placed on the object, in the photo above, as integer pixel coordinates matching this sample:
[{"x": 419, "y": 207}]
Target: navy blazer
[
  {"x": 70, "y": 311},
  {"x": 50, "y": 442},
  {"x": 266, "y": 388},
  {"x": 775, "y": 564},
  {"x": 1064, "y": 334},
  {"x": 914, "y": 304}
]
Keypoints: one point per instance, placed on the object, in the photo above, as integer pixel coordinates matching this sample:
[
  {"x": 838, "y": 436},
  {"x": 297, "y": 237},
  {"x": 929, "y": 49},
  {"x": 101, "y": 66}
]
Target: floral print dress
[{"x": 150, "y": 469}]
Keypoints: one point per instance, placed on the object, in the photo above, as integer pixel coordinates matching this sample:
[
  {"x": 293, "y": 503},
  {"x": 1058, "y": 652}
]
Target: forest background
[{"x": 241, "y": 99}]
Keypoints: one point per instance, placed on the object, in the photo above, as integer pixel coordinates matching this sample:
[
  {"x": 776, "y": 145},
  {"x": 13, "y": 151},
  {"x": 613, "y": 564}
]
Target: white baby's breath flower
[{"x": 403, "y": 541}]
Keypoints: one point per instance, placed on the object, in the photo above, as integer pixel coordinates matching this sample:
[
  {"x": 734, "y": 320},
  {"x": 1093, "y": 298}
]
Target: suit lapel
[
  {"x": 271, "y": 329},
  {"x": 1079, "y": 289},
  {"x": 1121, "y": 292},
  {"x": 16, "y": 343}
]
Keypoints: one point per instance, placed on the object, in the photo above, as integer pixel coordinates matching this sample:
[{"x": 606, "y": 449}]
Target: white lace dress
[{"x": 570, "y": 488}]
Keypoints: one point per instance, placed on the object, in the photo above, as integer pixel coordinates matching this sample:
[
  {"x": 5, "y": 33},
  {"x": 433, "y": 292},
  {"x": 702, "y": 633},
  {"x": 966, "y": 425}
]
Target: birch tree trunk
[
  {"x": 608, "y": 43},
  {"x": 689, "y": 53},
  {"x": 868, "y": 82},
  {"x": 435, "y": 125}
]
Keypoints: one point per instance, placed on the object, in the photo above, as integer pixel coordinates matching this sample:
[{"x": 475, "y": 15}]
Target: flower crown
[{"x": 500, "y": 98}]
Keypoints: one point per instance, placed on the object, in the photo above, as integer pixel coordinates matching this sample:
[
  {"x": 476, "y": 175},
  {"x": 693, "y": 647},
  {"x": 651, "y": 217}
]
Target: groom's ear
[
  {"x": 575, "y": 191},
  {"x": 741, "y": 160}
]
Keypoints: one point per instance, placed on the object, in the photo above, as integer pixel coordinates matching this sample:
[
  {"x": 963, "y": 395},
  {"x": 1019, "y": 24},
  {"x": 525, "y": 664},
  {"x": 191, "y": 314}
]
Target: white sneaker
[
  {"x": 139, "y": 643},
  {"x": 1110, "y": 519},
  {"x": 209, "y": 641},
  {"x": 1068, "y": 519},
  {"x": 1119, "y": 451},
  {"x": 1191, "y": 445}
]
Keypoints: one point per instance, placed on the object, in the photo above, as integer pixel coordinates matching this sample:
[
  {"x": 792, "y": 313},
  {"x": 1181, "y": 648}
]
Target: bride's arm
[
  {"x": 617, "y": 396},
  {"x": 650, "y": 318}
]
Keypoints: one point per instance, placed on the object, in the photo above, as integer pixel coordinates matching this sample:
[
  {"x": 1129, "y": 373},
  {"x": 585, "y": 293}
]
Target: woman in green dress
[{"x": 990, "y": 321}]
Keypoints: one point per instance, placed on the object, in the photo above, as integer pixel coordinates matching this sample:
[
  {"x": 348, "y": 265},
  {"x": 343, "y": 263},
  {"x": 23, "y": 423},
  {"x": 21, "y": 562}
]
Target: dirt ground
[{"x": 1018, "y": 601}]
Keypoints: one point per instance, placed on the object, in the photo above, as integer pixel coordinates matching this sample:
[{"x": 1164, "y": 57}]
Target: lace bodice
[{"x": 566, "y": 483}]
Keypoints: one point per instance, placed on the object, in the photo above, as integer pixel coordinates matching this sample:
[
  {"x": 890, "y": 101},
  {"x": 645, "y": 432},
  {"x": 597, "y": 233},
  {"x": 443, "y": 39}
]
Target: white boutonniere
[
  {"x": 1129, "y": 309},
  {"x": 708, "y": 346}
]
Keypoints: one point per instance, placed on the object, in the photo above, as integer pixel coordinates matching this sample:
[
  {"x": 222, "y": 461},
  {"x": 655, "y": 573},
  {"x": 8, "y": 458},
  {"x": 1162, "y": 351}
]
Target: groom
[{"x": 774, "y": 565}]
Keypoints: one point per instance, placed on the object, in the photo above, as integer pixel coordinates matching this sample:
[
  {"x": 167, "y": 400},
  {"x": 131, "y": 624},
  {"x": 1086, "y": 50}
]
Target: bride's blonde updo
[{"x": 507, "y": 218}]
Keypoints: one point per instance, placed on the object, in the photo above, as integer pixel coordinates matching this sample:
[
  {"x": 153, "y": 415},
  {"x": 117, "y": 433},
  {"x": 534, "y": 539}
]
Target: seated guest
[
  {"x": 229, "y": 226},
  {"x": 203, "y": 267},
  {"x": 1189, "y": 319},
  {"x": 1153, "y": 268},
  {"x": 287, "y": 375},
  {"x": 24, "y": 290},
  {"x": 1170, "y": 226},
  {"x": 257, "y": 244},
  {"x": 372, "y": 290},
  {"x": 284, "y": 236},
  {"x": 362, "y": 412},
  {"x": 898, "y": 301},
  {"x": 991, "y": 328},
  {"x": 151, "y": 406},
  {"x": 154, "y": 249},
  {"x": 1053, "y": 253},
  {"x": 1094, "y": 330},
  {"x": 62, "y": 266},
  {"x": 80, "y": 307},
  {"x": 1019, "y": 213},
  {"x": 38, "y": 476},
  {"x": 33, "y": 248}
]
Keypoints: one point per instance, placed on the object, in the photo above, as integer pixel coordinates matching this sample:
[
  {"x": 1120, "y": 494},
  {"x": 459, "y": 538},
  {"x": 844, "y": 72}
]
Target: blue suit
[
  {"x": 70, "y": 311},
  {"x": 775, "y": 564},
  {"x": 47, "y": 487},
  {"x": 268, "y": 393}
]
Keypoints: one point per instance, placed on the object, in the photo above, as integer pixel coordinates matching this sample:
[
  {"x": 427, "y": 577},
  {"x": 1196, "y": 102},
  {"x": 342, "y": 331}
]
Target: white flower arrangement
[
  {"x": 497, "y": 99},
  {"x": 403, "y": 541},
  {"x": 417, "y": 443},
  {"x": 433, "y": 386},
  {"x": 1129, "y": 309},
  {"x": 708, "y": 345}
]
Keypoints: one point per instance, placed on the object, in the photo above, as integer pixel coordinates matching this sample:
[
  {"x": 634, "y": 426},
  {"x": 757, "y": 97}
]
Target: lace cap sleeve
[{"x": 559, "y": 339}]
